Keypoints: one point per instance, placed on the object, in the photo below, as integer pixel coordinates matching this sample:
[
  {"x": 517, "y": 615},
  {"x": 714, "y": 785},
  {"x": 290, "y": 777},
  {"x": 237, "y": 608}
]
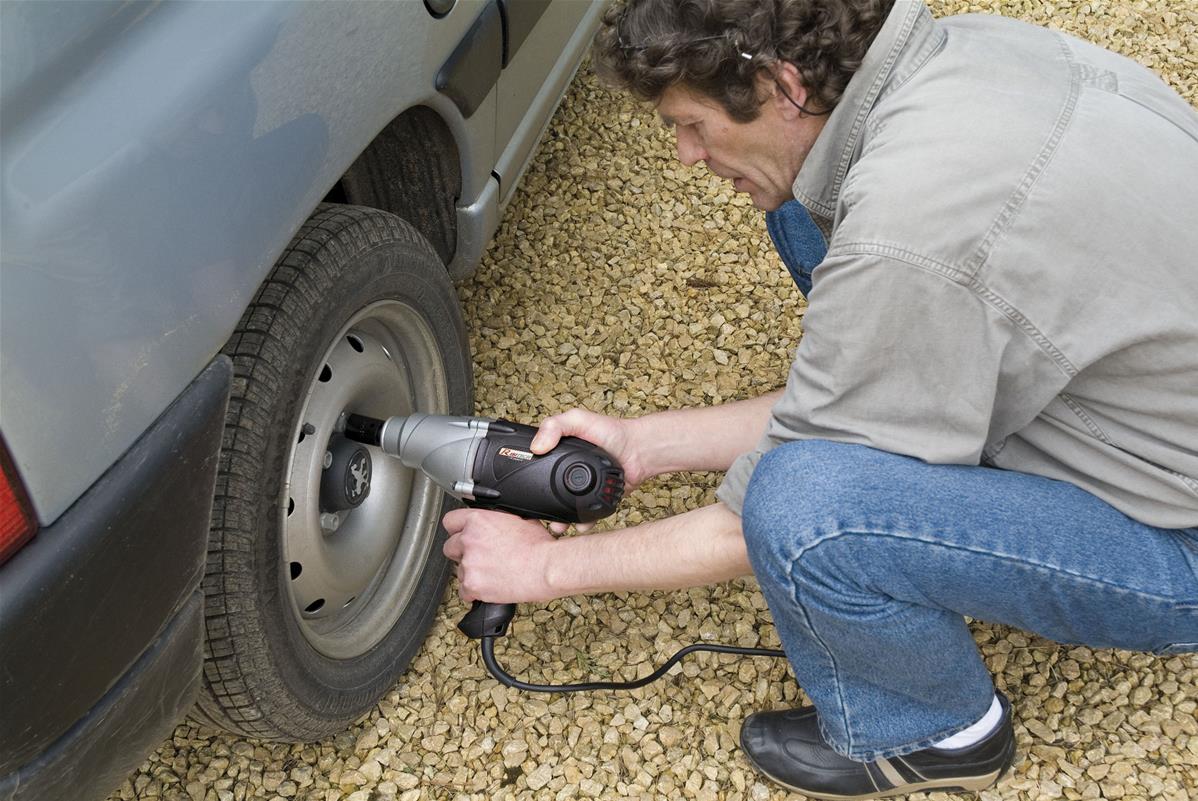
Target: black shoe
[{"x": 787, "y": 747}]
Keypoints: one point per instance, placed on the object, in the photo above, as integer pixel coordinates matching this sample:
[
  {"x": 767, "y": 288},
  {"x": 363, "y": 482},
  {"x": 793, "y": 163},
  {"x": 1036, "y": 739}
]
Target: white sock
[{"x": 977, "y": 732}]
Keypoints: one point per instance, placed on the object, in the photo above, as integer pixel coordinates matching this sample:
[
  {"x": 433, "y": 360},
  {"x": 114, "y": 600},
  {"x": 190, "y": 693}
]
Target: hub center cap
[
  {"x": 345, "y": 483},
  {"x": 357, "y": 477}
]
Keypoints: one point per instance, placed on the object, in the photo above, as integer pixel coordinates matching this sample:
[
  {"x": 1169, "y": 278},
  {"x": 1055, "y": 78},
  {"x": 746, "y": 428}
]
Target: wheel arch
[{"x": 412, "y": 169}]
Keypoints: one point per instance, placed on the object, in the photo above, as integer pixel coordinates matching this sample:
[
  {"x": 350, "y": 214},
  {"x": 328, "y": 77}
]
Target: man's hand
[
  {"x": 500, "y": 558},
  {"x": 610, "y": 433}
]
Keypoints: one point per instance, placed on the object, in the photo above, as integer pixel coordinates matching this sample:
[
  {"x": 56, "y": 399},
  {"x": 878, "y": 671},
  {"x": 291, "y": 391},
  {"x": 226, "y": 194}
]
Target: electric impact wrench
[{"x": 489, "y": 464}]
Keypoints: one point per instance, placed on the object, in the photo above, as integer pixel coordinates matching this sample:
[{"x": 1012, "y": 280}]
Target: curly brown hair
[{"x": 718, "y": 47}]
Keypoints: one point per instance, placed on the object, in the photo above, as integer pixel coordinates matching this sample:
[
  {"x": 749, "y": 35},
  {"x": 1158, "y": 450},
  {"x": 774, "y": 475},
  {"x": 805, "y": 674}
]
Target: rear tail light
[{"x": 17, "y": 523}]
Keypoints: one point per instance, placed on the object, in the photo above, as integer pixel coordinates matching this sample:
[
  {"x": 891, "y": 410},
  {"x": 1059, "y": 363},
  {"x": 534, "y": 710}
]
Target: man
[{"x": 993, "y": 411}]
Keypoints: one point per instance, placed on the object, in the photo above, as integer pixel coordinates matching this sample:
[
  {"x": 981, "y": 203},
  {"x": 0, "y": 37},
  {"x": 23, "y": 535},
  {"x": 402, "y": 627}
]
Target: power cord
[{"x": 488, "y": 651}]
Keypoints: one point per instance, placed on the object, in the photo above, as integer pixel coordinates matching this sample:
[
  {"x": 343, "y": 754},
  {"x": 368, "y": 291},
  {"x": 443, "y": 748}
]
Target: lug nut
[
  {"x": 328, "y": 460},
  {"x": 330, "y": 521}
]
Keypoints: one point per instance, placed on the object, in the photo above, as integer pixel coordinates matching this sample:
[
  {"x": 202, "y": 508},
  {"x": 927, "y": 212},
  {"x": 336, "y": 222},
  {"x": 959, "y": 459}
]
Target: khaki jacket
[{"x": 1012, "y": 274}]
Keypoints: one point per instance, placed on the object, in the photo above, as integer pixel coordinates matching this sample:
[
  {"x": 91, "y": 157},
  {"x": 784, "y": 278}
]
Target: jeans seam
[
  {"x": 869, "y": 755},
  {"x": 843, "y": 707},
  {"x": 983, "y": 552}
]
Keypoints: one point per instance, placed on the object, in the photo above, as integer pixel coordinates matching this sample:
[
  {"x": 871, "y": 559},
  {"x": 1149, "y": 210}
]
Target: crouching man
[{"x": 993, "y": 411}]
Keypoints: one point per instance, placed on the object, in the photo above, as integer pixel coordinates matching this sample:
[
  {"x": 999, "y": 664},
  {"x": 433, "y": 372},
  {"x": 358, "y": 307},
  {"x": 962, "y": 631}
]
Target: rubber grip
[{"x": 486, "y": 620}]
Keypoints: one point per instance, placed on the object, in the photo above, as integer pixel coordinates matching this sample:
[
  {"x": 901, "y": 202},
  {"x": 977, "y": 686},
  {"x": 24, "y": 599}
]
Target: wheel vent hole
[
  {"x": 315, "y": 606},
  {"x": 326, "y": 374},
  {"x": 290, "y": 506},
  {"x": 296, "y": 569},
  {"x": 355, "y": 343}
]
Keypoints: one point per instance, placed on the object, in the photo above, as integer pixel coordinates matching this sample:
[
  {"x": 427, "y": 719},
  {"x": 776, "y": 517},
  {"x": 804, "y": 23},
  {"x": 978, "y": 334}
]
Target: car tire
[{"x": 310, "y": 619}]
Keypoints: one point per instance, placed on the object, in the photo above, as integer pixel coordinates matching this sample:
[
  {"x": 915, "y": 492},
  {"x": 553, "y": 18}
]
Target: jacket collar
[{"x": 906, "y": 39}]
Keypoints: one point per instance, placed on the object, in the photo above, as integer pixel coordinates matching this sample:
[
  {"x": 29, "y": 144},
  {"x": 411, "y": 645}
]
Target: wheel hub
[
  {"x": 356, "y": 531},
  {"x": 345, "y": 482}
]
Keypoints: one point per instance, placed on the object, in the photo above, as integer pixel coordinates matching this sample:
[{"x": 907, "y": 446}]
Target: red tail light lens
[{"x": 17, "y": 523}]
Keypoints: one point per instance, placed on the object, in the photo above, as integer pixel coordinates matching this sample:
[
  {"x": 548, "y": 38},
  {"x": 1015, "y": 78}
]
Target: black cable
[
  {"x": 488, "y": 649},
  {"x": 796, "y": 105}
]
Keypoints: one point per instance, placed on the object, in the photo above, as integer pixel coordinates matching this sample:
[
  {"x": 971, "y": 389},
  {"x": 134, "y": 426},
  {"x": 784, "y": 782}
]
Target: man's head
[{"x": 744, "y": 82}]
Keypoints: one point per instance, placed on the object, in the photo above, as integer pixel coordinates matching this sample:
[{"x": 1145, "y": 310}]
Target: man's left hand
[{"x": 500, "y": 558}]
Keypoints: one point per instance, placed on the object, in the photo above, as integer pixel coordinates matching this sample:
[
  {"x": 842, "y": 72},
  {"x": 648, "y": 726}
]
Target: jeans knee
[
  {"x": 802, "y": 489},
  {"x": 775, "y": 496}
]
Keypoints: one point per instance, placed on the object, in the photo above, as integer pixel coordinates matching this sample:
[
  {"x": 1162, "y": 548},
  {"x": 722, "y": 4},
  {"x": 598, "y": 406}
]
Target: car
[{"x": 223, "y": 226}]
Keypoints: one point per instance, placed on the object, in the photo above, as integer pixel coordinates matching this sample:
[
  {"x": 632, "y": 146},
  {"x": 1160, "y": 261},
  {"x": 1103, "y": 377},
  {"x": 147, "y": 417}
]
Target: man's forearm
[
  {"x": 702, "y": 439},
  {"x": 700, "y": 547}
]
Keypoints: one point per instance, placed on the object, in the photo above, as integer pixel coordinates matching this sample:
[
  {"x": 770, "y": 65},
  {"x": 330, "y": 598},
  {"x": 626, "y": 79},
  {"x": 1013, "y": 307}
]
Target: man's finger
[
  {"x": 456, "y": 520},
  {"x": 453, "y": 548},
  {"x": 547, "y": 436},
  {"x": 465, "y": 594}
]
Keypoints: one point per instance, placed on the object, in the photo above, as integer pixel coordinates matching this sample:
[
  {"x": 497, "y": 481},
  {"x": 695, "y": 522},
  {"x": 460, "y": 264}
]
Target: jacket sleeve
[{"x": 907, "y": 357}]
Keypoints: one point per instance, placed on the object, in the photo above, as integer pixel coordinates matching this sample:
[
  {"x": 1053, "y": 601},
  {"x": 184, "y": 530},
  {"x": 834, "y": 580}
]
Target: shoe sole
[{"x": 964, "y": 784}]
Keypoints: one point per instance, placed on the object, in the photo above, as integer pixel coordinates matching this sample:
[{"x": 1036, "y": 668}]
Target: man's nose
[{"x": 690, "y": 150}]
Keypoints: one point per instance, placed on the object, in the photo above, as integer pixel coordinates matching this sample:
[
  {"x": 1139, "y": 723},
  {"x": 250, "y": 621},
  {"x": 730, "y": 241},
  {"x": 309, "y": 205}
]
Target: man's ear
[{"x": 790, "y": 82}]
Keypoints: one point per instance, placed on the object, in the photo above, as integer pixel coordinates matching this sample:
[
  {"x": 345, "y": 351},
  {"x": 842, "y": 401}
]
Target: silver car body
[{"x": 158, "y": 157}]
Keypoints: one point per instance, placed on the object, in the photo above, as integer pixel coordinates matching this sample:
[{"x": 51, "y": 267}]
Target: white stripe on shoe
[{"x": 890, "y": 772}]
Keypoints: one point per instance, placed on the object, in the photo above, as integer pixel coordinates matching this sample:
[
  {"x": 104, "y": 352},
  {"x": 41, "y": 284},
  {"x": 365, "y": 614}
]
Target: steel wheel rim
[{"x": 348, "y": 585}]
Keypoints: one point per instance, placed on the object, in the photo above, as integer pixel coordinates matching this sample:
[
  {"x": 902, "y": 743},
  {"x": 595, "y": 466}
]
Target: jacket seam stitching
[
  {"x": 1088, "y": 421},
  {"x": 867, "y": 105},
  {"x": 933, "y": 45},
  {"x": 1189, "y": 482},
  {"x": 1098, "y": 78},
  {"x": 959, "y": 276},
  {"x": 1019, "y": 197}
]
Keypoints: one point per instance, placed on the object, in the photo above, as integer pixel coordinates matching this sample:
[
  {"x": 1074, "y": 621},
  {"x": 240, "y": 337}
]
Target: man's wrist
[
  {"x": 645, "y": 435},
  {"x": 554, "y": 573}
]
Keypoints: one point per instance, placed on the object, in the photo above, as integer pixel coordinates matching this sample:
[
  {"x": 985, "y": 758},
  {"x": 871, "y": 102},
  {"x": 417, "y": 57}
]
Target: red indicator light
[{"x": 16, "y": 515}]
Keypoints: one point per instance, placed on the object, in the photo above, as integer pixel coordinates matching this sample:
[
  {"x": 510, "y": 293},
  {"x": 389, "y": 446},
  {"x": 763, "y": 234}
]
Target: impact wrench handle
[
  {"x": 486, "y": 620},
  {"x": 576, "y": 482}
]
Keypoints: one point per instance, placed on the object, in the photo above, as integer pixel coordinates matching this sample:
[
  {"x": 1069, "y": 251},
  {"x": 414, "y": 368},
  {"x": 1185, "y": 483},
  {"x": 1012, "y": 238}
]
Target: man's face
[{"x": 761, "y": 158}]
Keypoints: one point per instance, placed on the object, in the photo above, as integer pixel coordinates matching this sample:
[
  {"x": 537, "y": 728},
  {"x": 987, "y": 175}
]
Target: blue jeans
[
  {"x": 868, "y": 561},
  {"x": 798, "y": 241}
]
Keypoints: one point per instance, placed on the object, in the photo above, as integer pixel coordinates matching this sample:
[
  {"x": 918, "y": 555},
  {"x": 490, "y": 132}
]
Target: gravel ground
[{"x": 625, "y": 282}]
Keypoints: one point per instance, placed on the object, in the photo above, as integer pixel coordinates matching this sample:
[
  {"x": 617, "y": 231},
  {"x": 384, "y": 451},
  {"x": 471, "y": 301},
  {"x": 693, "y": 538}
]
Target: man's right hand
[{"x": 613, "y": 434}]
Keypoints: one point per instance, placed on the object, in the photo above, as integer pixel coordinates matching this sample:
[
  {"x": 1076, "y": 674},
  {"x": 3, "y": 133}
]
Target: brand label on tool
[{"x": 512, "y": 453}]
